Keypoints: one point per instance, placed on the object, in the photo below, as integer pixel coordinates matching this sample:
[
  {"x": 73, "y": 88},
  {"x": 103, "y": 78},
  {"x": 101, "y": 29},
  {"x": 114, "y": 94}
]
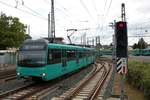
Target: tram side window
[
  {"x": 81, "y": 54},
  {"x": 70, "y": 54},
  {"x": 54, "y": 56},
  {"x": 88, "y": 53},
  {"x": 84, "y": 54},
  {"x": 147, "y": 51},
  {"x": 93, "y": 53}
]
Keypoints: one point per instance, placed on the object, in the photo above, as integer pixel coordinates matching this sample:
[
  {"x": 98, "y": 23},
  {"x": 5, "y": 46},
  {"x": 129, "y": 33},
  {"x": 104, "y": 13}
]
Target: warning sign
[{"x": 122, "y": 65}]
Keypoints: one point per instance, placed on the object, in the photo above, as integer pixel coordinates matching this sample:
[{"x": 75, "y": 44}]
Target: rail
[
  {"x": 32, "y": 91},
  {"x": 7, "y": 76},
  {"x": 89, "y": 87}
]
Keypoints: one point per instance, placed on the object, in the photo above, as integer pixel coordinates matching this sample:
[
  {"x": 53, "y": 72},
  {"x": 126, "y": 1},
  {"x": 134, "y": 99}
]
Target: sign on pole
[{"x": 122, "y": 65}]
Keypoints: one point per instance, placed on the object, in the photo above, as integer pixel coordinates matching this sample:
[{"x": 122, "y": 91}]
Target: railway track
[
  {"x": 24, "y": 92},
  {"x": 89, "y": 88},
  {"x": 7, "y": 76},
  {"x": 9, "y": 95},
  {"x": 46, "y": 94},
  {"x": 39, "y": 91},
  {"x": 33, "y": 91}
]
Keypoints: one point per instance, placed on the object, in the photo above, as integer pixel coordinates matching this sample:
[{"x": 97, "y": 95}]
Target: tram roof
[
  {"x": 65, "y": 46},
  {"x": 57, "y": 46}
]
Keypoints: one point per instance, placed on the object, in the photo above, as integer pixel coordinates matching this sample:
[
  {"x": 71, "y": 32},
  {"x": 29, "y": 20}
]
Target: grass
[{"x": 139, "y": 76}]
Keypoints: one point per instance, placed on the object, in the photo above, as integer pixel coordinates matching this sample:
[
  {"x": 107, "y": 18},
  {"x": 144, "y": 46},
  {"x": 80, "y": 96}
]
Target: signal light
[
  {"x": 121, "y": 25},
  {"x": 121, "y": 39}
]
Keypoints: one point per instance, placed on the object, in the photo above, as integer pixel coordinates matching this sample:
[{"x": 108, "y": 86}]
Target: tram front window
[{"x": 32, "y": 57}]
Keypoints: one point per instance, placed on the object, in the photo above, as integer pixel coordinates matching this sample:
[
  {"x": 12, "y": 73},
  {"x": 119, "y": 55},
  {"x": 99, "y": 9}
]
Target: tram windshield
[{"x": 32, "y": 56}]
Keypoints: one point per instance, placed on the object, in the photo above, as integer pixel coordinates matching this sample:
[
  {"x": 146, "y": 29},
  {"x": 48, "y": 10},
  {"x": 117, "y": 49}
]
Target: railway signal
[
  {"x": 121, "y": 39},
  {"x": 121, "y": 46}
]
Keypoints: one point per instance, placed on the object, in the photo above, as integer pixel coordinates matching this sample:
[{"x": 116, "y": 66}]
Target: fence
[{"x": 7, "y": 57}]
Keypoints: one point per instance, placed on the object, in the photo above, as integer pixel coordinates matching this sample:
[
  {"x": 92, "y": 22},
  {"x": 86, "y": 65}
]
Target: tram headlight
[
  {"x": 43, "y": 74},
  {"x": 18, "y": 74}
]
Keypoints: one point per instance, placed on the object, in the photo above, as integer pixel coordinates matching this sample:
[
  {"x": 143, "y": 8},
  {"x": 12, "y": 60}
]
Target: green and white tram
[{"x": 40, "y": 59}]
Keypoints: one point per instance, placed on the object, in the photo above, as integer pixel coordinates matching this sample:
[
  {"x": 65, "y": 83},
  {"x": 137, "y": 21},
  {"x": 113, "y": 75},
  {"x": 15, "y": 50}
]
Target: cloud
[{"x": 81, "y": 14}]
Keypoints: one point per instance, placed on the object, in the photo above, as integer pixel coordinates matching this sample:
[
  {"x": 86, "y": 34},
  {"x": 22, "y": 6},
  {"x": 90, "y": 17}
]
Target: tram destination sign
[{"x": 33, "y": 47}]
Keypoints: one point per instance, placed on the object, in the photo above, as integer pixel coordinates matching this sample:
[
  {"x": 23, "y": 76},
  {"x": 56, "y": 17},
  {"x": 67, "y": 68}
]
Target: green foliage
[
  {"x": 12, "y": 31},
  {"x": 139, "y": 76},
  {"x": 27, "y": 36},
  {"x": 135, "y": 46},
  {"x": 140, "y": 45}
]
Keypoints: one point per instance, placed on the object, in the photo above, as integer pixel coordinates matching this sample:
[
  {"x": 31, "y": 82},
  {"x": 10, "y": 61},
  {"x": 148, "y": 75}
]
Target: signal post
[{"x": 121, "y": 53}]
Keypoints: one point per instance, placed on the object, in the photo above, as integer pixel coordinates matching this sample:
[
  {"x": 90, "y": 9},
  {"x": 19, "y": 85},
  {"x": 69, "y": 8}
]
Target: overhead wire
[
  {"x": 34, "y": 11},
  {"x": 65, "y": 11},
  {"x": 94, "y": 6},
  {"x": 88, "y": 12},
  {"x": 60, "y": 10},
  {"x": 47, "y": 2},
  {"x": 98, "y": 24},
  {"x": 62, "y": 6},
  {"x": 108, "y": 8},
  {"x": 105, "y": 5},
  {"x": 100, "y": 28},
  {"x": 107, "y": 11},
  {"x": 84, "y": 6},
  {"x": 6, "y": 4},
  {"x": 22, "y": 4},
  {"x": 16, "y": 3}
]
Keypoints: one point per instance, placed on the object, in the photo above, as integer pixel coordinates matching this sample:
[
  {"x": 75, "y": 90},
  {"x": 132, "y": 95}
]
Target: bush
[{"x": 139, "y": 76}]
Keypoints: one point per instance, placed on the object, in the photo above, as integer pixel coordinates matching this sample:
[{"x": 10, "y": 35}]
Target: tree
[
  {"x": 12, "y": 31},
  {"x": 141, "y": 44},
  {"x": 111, "y": 44},
  {"x": 135, "y": 46},
  {"x": 27, "y": 36}
]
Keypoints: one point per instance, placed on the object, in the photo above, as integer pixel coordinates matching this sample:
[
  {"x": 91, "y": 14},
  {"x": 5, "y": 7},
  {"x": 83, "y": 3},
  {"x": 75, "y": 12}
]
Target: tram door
[
  {"x": 64, "y": 59},
  {"x": 77, "y": 57}
]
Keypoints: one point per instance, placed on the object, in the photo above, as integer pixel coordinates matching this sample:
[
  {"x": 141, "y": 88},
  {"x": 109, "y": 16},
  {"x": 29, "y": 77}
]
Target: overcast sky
[{"x": 94, "y": 15}]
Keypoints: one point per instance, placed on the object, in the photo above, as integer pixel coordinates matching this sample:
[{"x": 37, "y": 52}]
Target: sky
[{"x": 90, "y": 17}]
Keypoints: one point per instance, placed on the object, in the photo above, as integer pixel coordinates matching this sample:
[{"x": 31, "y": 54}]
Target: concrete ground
[
  {"x": 130, "y": 92},
  {"x": 141, "y": 58},
  {"x": 6, "y": 67}
]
